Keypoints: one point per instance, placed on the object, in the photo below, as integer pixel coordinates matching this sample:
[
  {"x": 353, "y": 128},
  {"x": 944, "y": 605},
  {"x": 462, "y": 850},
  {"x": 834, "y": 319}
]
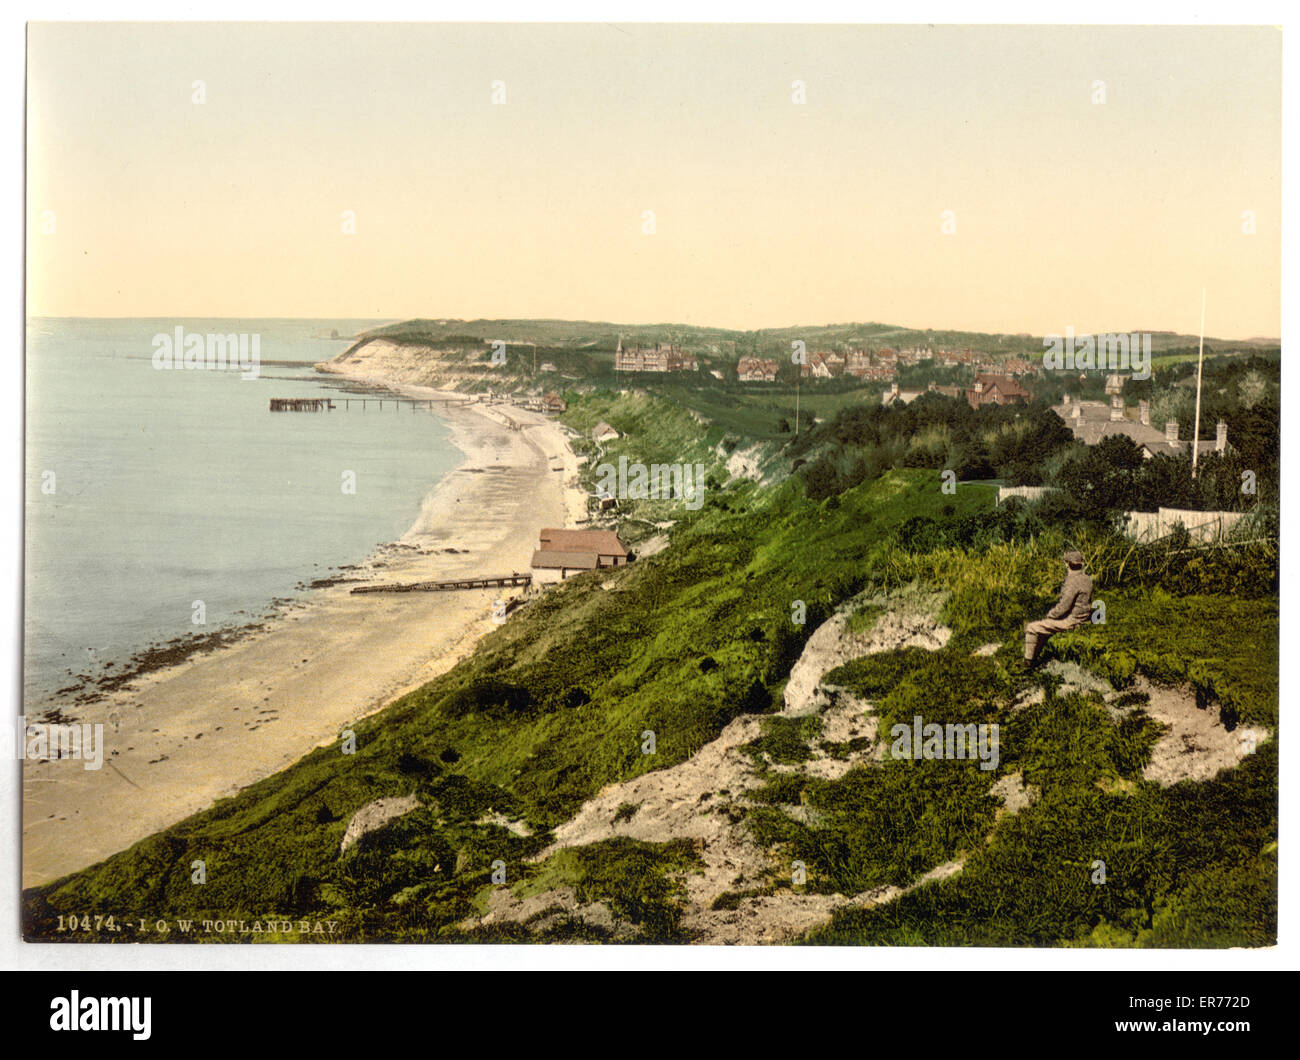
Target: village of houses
[
  {"x": 565, "y": 552},
  {"x": 1008, "y": 382},
  {"x": 994, "y": 383}
]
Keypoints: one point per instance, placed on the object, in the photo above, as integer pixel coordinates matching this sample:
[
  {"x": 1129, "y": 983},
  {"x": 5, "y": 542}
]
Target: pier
[
  {"x": 490, "y": 582},
  {"x": 301, "y": 404},
  {"x": 381, "y": 403}
]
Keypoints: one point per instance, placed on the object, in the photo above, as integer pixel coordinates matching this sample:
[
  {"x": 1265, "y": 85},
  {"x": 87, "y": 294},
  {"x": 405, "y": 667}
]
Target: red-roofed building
[
  {"x": 566, "y": 552},
  {"x": 995, "y": 390}
]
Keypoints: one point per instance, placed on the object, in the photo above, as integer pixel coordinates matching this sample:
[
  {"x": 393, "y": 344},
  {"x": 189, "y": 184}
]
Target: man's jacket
[{"x": 1075, "y": 604}]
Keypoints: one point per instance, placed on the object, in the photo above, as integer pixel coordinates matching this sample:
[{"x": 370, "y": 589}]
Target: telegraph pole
[{"x": 1200, "y": 361}]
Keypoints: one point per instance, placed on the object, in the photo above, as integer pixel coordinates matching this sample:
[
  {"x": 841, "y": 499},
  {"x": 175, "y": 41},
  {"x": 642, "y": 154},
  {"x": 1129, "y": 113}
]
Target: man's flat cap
[{"x": 1074, "y": 558}]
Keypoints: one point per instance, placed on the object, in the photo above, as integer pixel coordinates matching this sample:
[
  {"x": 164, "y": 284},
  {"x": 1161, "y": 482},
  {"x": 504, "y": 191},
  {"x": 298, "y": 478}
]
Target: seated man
[{"x": 1073, "y": 609}]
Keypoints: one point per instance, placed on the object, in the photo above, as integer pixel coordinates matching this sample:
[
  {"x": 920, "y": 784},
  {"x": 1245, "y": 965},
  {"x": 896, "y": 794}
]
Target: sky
[{"x": 933, "y": 177}]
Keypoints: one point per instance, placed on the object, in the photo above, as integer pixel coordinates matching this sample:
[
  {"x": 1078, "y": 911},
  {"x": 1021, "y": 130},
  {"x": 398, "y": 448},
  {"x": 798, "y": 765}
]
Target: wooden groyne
[{"x": 490, "y": 582}]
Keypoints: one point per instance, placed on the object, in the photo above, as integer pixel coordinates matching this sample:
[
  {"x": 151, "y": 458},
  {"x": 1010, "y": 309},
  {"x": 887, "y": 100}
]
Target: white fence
[
  {"x": 1029, "y": 493},
  {"x": 1203, "y": 526}
]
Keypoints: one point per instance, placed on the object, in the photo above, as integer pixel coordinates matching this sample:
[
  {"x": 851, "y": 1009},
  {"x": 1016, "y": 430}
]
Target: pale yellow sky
[{"x": 767, "y": 213}]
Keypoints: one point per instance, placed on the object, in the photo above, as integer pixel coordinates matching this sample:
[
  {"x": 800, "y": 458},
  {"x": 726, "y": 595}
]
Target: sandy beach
[{"x": 179, "y": 738}]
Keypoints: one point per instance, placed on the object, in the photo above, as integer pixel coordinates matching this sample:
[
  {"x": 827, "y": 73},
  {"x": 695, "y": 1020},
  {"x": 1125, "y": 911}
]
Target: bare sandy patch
[
  {"x": 1196, "y": 745},
  {"x": 374, "y": 815}
]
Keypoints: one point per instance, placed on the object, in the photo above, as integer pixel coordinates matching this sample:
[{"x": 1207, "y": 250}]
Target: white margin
[{"x": 14, "y": 954}]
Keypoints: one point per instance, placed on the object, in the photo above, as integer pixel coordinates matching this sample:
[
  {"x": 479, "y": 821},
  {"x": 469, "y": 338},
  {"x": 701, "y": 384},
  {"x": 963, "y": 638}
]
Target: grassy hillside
[
  {"x": 1194, "y": 865},
  {"x": 558, "y": 702}
]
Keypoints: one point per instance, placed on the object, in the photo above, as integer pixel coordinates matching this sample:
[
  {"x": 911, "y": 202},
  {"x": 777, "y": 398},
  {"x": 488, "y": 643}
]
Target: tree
[{"x": 1106, "y": 478}]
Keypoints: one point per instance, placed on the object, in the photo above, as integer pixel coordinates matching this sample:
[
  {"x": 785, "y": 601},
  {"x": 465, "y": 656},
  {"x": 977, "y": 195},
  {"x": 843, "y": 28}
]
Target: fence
[
  {"x": 1202, "y": 526},
  {"x": 1029, "y": 493}
]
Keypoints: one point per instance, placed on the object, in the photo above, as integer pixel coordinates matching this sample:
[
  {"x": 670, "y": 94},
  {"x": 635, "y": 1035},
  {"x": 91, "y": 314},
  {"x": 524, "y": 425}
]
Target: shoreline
[{"x": 181, "y": 736}]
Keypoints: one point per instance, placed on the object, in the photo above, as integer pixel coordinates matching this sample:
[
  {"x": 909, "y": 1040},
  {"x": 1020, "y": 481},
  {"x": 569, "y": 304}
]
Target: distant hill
[{"x": 598, "y": 336}]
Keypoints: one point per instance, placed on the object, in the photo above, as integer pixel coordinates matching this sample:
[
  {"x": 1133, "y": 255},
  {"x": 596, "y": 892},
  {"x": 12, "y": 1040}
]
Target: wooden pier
[
  {"x": 301, "y": 404},
  {"x": 491, "y": 582},
  {"x": 381, "y": 403}
]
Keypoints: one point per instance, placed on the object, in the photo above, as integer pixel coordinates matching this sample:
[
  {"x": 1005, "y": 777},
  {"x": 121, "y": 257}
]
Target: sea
[{"x": 156, "y": 497}]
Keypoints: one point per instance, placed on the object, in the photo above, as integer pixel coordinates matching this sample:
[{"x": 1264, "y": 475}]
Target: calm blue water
[{"x": 177, "y": 486}]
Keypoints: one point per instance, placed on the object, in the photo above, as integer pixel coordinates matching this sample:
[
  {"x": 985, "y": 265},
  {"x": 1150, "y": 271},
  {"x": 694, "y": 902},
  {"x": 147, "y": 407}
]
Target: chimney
[
  {"x": 1144, "y": 413},
  {"x": 1116, "y": 408},
  {"x": 1221, "y": 437},
  {"x": 1076, "y": 412},
  {"x": 1171, "y": 431},
  {"x": 893, "y": 388}
]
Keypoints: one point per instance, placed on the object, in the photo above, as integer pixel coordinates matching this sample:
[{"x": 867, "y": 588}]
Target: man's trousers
[{"x": 1036, "y": 633}]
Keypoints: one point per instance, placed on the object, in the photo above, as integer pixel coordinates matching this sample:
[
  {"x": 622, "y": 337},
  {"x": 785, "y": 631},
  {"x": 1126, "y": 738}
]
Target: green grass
[
  {"x": 785, "y": 740},
  {"x": 640, "y": 883},
  {"x": 1189, "y": 866},
  {"x": 556, "y": 704},
  {"x": 1226, "y": 648}
]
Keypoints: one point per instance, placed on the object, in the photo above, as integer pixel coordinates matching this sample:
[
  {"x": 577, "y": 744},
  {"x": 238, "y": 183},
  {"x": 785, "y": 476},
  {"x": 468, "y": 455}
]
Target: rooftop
[
  {"x": 1094, "y": 423},
  {"x": 596, "y": 542}
]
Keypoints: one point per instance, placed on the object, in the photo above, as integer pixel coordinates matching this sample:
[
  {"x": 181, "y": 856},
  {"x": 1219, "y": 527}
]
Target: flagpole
[{"x": 1200, "y": 361}]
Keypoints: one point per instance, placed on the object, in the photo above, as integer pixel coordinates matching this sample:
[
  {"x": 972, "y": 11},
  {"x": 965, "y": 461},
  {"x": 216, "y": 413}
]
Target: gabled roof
[
  {"x": 1004, "y": 383},
  {"x": 1094, "y": 423},
  {"x": 597, "y": 542},
  {"x": 1090, "y": 433}
]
